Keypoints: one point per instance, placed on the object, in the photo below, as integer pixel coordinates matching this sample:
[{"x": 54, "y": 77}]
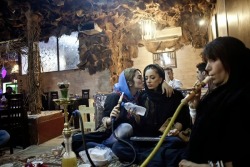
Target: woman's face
[
  {"x": 138, "y": 81},
  {"x": 217, "y": 71},
  {"x": 152, "y": 79}
]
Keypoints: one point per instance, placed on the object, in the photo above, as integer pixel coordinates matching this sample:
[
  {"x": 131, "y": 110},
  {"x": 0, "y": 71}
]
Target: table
[{"x": 45, "y": 126}]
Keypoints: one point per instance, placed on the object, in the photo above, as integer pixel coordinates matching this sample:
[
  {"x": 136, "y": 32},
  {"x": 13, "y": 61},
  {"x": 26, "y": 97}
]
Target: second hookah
[{"x": 69, "y": 157}]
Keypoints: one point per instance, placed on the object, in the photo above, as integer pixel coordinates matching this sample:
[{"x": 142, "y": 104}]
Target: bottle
[
  {"x": 139, "y": 110},
  {"x": 69, "y": 157}
]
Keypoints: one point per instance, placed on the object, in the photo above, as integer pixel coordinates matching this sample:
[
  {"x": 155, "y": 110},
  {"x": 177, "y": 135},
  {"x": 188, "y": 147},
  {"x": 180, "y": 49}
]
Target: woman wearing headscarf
[{"x": 130, "y": 83}]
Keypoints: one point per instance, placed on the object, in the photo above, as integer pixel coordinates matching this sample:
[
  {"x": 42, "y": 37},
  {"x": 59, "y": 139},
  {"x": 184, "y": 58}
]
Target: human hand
[
  {"x": 186, "y": 163},
  {"x": 173, "y": 132},
  {"x": 115, "y": 112},
  {"x": 166, "y": 88},
  {"x": 195, "y": 100},
  {"x": 132, "y": 111}
]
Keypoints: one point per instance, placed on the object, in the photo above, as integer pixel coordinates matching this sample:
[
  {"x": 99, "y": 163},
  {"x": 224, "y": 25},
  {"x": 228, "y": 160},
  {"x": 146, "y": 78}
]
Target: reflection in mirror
[
  {"x": 165, "y": 59},
  {"x": 68, "y": 51}
]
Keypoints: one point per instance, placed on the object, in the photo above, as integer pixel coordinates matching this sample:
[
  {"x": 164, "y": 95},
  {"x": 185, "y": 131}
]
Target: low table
[{"x": 45, "y": 126}]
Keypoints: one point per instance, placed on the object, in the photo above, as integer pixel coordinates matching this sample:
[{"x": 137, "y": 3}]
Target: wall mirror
[{"x": 165, "y": 59}]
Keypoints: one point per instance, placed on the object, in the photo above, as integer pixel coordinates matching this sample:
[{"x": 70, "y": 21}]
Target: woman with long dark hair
[{"x": 221, "y": 125}]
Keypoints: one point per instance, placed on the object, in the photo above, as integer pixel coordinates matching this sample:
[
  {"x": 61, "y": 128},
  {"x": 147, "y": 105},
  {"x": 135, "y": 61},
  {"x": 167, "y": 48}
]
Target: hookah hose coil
[
  {"x": 166, "y": 131},
  {"x": 83, "y": 138},
  {"x": 121, "y": 140}
]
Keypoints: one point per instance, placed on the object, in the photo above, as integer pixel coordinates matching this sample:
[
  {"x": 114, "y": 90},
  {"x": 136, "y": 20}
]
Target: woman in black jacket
[{"x": 221, "y": 125}]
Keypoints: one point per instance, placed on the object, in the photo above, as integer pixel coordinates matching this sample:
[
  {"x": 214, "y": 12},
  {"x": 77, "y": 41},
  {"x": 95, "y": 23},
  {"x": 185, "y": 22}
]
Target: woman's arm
[
  {"x": 107, "y": 121},
  {"x": 167, "y": 88}
]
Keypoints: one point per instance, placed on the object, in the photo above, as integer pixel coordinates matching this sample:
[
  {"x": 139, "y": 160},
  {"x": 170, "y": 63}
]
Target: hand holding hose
[
  {"x": 115, "y": 112},
  {"x": 193, "y": 102}
]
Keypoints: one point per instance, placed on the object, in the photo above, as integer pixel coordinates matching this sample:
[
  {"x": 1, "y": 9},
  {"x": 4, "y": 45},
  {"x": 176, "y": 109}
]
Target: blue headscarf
[{"x": 122, "y": 86}]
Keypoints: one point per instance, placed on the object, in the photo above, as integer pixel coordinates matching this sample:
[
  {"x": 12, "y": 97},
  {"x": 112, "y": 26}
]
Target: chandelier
[{"x": 148, "y": 29}]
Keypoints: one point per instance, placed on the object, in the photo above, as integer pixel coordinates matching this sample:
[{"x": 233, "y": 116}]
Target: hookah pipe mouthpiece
[
  {"x": 119, "y": 104},
  {"x": 196, "y": 89}
]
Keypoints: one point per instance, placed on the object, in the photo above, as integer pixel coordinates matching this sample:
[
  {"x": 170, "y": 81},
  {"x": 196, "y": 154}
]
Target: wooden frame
[
  {"x": 165, "y": 59},
  {"x": 214, "y": 27}
]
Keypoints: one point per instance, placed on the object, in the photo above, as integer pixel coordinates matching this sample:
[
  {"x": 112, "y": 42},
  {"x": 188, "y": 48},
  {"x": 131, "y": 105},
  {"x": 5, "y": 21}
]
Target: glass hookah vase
[{"x": 69, "y": 157}]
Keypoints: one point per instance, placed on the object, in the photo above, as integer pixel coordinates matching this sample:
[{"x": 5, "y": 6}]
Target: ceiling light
[{"x": 148, "y": 28}]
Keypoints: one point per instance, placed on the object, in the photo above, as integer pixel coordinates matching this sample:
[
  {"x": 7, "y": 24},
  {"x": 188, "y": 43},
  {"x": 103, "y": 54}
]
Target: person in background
[
  {"x": 4, "y": 138},
  {"x": 174, "y": 83},
  {"x": 201, "y": 74},
  {"x": 221, "y": 119},
  {"x": 159, "y": 108},
  {"x": 4, "y": 97},
  {"x": 131, "y": 84},
  {"x": 8, "y": 91}
]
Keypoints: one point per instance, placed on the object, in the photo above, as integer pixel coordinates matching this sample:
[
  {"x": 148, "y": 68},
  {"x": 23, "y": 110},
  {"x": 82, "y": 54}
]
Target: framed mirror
[{"x": 165, "y": 59}]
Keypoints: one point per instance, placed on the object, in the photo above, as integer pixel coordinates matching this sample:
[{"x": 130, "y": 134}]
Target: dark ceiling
[
  {"x": 64, "y": 16},
  {"x": 23, "y": 22}
]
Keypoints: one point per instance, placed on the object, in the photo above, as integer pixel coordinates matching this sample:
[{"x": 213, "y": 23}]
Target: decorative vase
[
  {"x": 64, "y": 88},
  {"x": 64, "y": 92}
]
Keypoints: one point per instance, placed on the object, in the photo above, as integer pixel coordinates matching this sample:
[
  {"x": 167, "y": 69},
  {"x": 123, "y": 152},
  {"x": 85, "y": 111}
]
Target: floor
[
  {"x": 38, "y": 152},
  {"x": 44, "y": 152}
]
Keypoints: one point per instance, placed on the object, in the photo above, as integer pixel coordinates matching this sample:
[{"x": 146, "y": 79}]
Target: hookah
[
  {"x": 69, "y": 157},
  {"x": 184, "y": 101}
]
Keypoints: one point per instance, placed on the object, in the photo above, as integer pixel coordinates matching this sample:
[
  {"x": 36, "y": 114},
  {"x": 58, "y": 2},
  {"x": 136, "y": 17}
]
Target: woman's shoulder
[{"x": 113, "y": 95}]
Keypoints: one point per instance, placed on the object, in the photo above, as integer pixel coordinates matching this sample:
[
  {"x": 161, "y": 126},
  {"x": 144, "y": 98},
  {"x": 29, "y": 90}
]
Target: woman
[
  {"x": 159, "y": 109},
  {"x": 131, "y": 84},
  {"x": 221, "y": 125}
]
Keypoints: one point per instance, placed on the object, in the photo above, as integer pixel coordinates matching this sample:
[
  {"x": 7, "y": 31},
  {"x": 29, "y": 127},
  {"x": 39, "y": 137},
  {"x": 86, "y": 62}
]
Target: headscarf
[{"x": 122, "y": 86}]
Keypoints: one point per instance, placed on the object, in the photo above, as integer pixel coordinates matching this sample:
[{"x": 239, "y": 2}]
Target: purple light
[{"x": 4, "y": 72}]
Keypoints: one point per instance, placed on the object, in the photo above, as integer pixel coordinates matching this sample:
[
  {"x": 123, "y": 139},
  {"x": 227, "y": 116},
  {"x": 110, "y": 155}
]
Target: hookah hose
[
  {"x": 184, "y": 101},
  {"x": 83, "y": 138},
  {"x": 121, "y": 140}
]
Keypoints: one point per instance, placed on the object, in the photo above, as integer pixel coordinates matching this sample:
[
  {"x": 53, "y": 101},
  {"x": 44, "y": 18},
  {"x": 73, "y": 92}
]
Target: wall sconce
[
  {"x": 15, "y": 69},
  {"x": 148, "y": 29},
  {"x": 165, "y": 59}
]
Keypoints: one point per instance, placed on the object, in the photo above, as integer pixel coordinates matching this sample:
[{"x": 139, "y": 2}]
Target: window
[{"x": 68, "y": 54}]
